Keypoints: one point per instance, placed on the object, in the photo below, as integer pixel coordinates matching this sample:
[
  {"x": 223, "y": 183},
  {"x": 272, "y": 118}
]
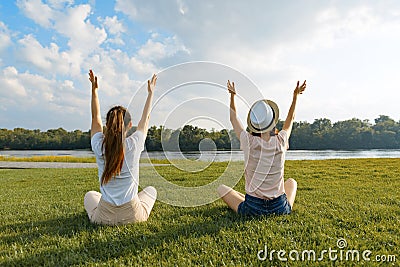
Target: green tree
[{"x": 321, "y": 134}]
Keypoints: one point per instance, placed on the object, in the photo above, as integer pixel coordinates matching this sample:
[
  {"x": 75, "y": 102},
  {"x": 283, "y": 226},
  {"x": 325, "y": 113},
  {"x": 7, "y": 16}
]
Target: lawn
[{"x": 43, "y": 222}]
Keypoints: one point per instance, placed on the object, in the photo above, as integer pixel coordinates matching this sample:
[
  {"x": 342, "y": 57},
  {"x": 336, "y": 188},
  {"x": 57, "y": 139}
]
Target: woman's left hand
[
  {"x": 231, "y": 87},
  {"x": 151, "y": 84}
]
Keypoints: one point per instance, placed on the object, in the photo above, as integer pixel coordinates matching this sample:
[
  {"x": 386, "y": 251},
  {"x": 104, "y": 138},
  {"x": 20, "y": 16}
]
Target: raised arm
[
  {"x": 143, "y": 124},
  {"x": 237, "y": 126},
  {"x": 97, "y": 125},
  {"x": 287, "y": 126}
]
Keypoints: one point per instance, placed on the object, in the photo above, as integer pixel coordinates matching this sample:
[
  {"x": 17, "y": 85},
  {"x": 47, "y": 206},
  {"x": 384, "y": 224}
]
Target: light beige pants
[{"x": 136, "y": 210}]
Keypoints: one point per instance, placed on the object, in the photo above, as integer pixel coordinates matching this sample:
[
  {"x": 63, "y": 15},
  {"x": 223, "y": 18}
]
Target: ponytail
[{"x": 117, "y": 120}]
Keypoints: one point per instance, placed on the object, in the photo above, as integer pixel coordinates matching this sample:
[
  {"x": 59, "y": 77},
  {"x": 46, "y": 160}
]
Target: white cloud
[
  {"x": 115, "y": 28},
  {"x": 70, "y": 21},
  {"x": 60, "y": 3},
  {"x": 229, "y": 31},
  {"x": 154, "y": 50},
  {"x": 36, "y": 10},
  {"x": 5, "y": 39},
  {"x": 33, "y": 101},
  {"x": 83, "y": 35},
  {"x": 142, "y": 68},
  {"x": 29, "y": 91},
  {"x": 124, "y": 5},
  {"x": 333, "y": 25},
  {"x": 10, "y": 84},
  {"x": 113, "y": 25},
  {"x": 182, "y": 7},
  {"x": 50, "y": 60}
]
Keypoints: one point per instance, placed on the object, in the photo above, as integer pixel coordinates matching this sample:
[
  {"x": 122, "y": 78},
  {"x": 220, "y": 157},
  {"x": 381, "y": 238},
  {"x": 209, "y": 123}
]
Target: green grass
[{"x": 43, "y": 221}]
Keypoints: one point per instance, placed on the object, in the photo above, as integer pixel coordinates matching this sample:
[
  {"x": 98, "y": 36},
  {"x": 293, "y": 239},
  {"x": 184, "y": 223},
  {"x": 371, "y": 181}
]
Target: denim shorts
[{"x": 254, "y": 206}]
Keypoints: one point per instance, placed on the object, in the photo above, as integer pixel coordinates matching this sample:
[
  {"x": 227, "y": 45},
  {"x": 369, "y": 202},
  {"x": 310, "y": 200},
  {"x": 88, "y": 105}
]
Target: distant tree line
[
  {"x": 190, "y": 138},
  {"x": 52, "y": 139},
  {"x": 348, "y": 134},
  {"x": 321, "y": 134}
]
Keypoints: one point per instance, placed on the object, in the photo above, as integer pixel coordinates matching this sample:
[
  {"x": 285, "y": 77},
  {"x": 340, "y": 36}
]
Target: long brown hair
[{"x": 118, "y": 118}]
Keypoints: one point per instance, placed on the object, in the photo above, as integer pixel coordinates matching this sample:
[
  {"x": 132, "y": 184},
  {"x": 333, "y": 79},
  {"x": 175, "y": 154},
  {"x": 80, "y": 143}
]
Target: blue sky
[{"x": 347, "y": 51}]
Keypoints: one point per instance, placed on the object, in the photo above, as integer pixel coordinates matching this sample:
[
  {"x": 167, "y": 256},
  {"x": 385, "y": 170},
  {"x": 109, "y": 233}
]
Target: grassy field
[{"x": 43, "y": 222}]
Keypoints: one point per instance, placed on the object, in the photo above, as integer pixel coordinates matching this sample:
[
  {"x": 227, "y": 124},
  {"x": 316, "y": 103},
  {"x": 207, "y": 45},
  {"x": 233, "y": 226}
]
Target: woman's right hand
[
  {"x": 300, "y": 89},
  {"x": 93, "y": 80}
]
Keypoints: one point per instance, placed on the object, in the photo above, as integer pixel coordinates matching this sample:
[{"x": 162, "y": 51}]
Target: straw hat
[{"x": 263, "y": 116}]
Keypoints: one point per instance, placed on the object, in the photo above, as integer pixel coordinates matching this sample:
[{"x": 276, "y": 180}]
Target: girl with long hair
[
  {"x": 264, "y": 151},
  {"x": 117, "y": 158}
]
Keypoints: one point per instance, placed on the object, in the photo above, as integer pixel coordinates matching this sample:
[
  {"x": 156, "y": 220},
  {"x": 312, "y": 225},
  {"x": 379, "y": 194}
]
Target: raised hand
[
  {"x": 300, "y": 89},
  {"x": 237, "y": 126},
  {"x": 151, "y": 84},
  {"x": 97, "y": 125},
  {"x": 231, "y": 87},
  {"x": 93, "y": 80}
]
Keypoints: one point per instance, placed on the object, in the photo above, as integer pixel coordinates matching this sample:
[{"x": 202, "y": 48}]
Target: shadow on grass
[
  {"x": 98, "y": 244},
  {"x": 61, "y": 226}
]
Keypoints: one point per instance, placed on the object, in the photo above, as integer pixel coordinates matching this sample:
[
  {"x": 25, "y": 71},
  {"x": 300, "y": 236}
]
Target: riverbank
[
  {"x": 57, "y": 165},
  {"x": 210, "y": 156}
]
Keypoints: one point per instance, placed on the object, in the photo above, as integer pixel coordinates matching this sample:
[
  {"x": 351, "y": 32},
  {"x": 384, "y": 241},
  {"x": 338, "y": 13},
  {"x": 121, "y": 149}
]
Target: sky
[{"x": 346, "y": 50}]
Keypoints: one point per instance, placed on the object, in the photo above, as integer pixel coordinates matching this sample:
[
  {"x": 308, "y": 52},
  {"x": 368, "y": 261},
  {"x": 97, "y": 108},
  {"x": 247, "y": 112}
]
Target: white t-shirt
[
  {"x": 124, "y": 187},
  {"x": 264, "y": 164}
]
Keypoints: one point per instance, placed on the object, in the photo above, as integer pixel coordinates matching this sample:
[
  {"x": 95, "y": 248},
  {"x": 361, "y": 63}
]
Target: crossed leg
[
  {"x": 90, "y": 201},
  {"x": 291, "y": 190},
  {"x": 147, "y": 198},
  {"x": 233, "y": 198}
]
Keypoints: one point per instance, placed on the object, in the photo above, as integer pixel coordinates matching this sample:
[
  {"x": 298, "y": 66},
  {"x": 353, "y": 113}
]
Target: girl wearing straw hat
[{"x": 264, "y": 151}]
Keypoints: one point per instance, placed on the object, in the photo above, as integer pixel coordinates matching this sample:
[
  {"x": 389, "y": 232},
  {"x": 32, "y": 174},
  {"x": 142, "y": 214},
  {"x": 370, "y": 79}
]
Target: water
[{"x": 222, "y": 155}]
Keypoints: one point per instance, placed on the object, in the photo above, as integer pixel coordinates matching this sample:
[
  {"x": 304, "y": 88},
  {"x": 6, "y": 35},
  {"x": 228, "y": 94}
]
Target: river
[{"x": 222, "y": 155}]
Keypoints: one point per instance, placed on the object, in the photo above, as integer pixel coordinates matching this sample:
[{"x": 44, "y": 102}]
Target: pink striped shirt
[{"x": 264, "y": 164}]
